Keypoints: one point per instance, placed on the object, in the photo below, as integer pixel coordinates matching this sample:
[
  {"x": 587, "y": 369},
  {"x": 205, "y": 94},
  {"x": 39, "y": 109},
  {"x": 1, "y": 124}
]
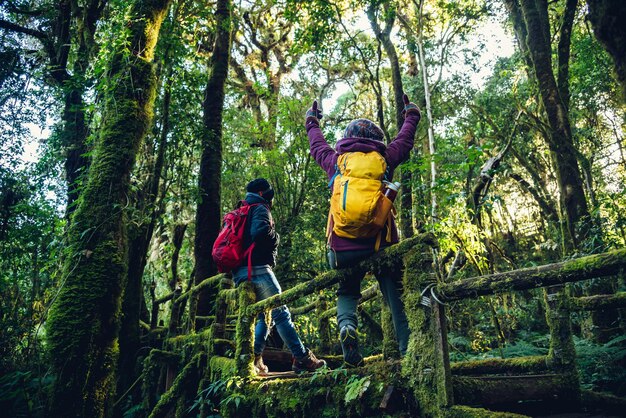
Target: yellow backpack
[{"x": 356, "y": 191}]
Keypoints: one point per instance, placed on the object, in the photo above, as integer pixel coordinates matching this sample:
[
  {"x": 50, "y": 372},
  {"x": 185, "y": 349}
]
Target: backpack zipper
[{"x": 345, "y": 194}]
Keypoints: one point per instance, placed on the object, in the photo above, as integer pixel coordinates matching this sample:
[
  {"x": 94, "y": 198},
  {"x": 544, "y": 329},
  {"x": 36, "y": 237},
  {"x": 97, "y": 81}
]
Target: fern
[{"x": 602, "y": 366}]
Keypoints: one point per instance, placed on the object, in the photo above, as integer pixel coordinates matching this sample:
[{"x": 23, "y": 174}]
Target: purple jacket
[{"x": 396, "y": 153}]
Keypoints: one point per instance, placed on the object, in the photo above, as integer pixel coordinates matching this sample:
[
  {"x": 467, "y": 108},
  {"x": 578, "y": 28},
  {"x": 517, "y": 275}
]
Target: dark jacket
[
  {"x": 260, "y": 230},
  {"x": 395, "y": 153}
]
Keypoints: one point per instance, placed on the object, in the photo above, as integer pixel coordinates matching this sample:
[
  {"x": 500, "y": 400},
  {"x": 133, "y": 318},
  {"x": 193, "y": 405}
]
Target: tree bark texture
[
  {"x": 608, "y": 18},
  {"x": 563, "y": 50},
  {"x": 208, "y": 214},
  {"x": 74, "y": 135},
  {"x": 84, "y": 320},
  {"x": 75, "y": 124}
]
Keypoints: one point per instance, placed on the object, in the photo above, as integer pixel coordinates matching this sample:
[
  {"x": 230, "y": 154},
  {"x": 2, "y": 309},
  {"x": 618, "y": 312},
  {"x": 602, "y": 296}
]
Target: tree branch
[{"x": 10, "y": 26}]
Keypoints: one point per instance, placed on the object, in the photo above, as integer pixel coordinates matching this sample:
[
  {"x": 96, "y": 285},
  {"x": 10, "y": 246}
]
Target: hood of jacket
[
  {"x": 356, "y": 144},
  {"x": 253, "y": 198}
]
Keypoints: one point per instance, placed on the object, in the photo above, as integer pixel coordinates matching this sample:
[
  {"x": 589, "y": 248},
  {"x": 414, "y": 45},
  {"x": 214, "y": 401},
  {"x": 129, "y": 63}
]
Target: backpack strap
[
  {"x": 332, "y": 179},
  {"x": 392, "y": 214},
  {"x": 249, "y": 250},
  {"x": 248, "y": 253},
  {"x": 329, "y": 228}
]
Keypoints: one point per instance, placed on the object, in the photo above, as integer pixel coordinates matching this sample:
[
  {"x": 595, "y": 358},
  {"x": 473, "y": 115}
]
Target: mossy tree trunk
[
  {"x": 75, "y": 121},
  {"x": 147, "y": 203},
  {"x": 608, "y": 18},
  {"x": 532, "y": 25},
  {"x": 426, "y": 365},
  {"x": 208, "y": 214},
  {"x": 244, "y": 334},
  {"x": 84, "y": 320}
]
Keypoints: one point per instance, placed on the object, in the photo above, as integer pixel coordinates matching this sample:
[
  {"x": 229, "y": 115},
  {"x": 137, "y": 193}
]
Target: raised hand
[
  {"x": 410, "y": 107},
  {"x": 314, "y": 112}
]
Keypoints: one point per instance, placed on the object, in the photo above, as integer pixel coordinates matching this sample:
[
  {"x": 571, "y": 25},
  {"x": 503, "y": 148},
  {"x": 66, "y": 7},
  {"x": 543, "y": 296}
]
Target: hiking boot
[
  {"x": 350, "y": 347},
  {"x": 259, "y": 367},
  {"x": 308, "y": 363}
]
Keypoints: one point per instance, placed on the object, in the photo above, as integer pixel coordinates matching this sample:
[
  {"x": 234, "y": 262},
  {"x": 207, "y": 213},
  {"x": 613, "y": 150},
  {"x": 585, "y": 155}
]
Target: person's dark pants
[{"x": 349, "y": 293}]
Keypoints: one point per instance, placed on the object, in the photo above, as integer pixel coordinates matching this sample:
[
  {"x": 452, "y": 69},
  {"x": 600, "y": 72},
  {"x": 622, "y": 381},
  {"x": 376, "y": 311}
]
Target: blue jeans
[
  {"x": 349, "y": 293},
  {"x": 266, "y": 285}
]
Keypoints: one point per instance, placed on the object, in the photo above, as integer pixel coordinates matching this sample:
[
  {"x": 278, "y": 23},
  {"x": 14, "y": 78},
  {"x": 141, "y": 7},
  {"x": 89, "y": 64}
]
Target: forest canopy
[{"x": 129, "y": 128}]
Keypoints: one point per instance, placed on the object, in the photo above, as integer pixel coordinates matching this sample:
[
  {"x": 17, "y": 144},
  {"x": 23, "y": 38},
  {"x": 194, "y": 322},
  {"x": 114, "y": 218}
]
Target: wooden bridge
[{"x": 198, "y": 372}]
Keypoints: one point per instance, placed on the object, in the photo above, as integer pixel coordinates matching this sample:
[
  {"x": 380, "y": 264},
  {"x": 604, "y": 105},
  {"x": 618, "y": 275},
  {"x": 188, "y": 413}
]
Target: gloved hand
[
  {"x": 313, "y": 113},
  {"x": 410, "y": 107}
]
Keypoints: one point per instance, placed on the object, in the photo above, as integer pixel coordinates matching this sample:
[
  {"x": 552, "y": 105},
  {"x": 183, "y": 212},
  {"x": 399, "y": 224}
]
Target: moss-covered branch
[
  {"x": 597, "y": 302},
  {"x": 304, "y": 309},
  {"x": 521, "y": 365},
  {"x": 221, "y": 368},
  {"x": 589, "y": 267},
  {"x": 357, "y": 393},
  {"x": 426, "y": 364},
  {"x": 211, "y": 281},
  {"x": 462, "y": 411}
]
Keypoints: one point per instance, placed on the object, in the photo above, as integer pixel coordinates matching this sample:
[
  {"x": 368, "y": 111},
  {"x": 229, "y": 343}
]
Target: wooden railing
[{"x": 436, "y": 383}]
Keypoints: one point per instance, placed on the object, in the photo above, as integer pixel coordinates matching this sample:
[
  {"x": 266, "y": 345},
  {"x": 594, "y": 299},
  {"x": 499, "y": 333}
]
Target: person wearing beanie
[
  {"x": 363, "y": 135},
  {"x": 259, "y": 230}
]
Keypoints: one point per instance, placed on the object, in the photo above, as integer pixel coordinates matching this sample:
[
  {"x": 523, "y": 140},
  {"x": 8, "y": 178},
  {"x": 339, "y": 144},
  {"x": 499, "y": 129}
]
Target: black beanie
[{"x": 261, "y": 185}]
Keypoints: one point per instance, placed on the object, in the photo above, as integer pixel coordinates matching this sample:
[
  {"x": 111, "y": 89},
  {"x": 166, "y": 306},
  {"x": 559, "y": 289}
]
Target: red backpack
[{"x": 228, "y": 252}]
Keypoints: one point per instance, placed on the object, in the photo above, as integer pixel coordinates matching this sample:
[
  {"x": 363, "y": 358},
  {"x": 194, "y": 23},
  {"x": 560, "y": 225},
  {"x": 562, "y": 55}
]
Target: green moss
[
  {"x": 593, "y": 266},
  {"x": 189, "y": 345},
  {"x": 461, "y": 411},
  {"x": 424, "y": 365},
  {"x": 229, "y": 295},
  {"x": 597, "y": 302},
  {"x": 596, "y": 262},
  {"x": 323, "y": 395},
  {"x": 521, "y": 365},
  {"x": 325, "y": 337},
  {"x": 221, "y": 368},
  {"x": 152, "y": 370},
  {"x": 390, "y": 344},
  {"x": 244, "y": 354}
]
